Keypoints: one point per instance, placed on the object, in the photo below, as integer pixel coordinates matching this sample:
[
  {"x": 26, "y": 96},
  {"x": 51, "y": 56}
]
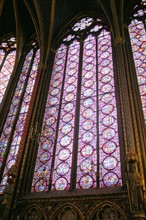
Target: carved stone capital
[
  {"x": 131, "y": 157},
  {"x": 119, "y": 40}
]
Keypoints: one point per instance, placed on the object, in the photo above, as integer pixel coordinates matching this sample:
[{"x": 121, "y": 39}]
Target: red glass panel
[
  {"x": 87, "y": 151},
  {"x": 138, "y": 43},
  {"x": 109, "y": 155},
  {"x": 7, "y": 130},
  {"x": 47, "y": 138},
  {"x": 62, "y": 168}
]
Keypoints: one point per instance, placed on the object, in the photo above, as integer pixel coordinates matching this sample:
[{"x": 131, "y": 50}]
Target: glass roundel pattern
[
  {"x": 7, "y": 60},
  {"x": 51, "y": 111},
  {"x": 21, "y": 117},
  {"x": 80, "y": 120},
  {"x": 67, "y": 118},
  {"x": 138, "y": 43},
  {"x": 88, "y": 122},
  {"x": 109, "y": 162}
]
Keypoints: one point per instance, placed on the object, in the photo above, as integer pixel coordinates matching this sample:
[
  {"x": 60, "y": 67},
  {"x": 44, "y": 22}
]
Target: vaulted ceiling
[{"x": 27, "y": 17}]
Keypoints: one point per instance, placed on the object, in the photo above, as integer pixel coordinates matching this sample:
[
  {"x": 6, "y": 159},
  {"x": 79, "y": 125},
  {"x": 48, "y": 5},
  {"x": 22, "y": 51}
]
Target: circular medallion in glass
[
  {"x": 104, "y": 41},
  {"x": 61, "y": 51},
  {"x": 44, "y": 157},
  {"x": 138, "y": 63},
  {"x": 89, "y": 59},
  {"x": 74, "y": 51},
  {"x": 89, "y": 46},
  {"x": 64, "y": 154},
  {"x": 89, "y": 67},
  {"x": 104, "y": 48},
  {"x": 52, "y": 110},
  {"x": 88, "y": 124},
  {"x": 86, "y": 182},
  {"x": 50, "y": 120},
  {"x": 108, "y": 120},
  {"x": 87, "y": 137},
  {"x": 40, "y": 185},
  {"x": 71, "y": 80},
  {"x": 72, "y": 65},
  {"x": 110, "y": 179},
  {"x": 107, "y": 98},
  {"x": 71, "y": 72},
  {"x": 105, "y": 70},
  {"x": 141, "y": 79},
  {"x": 7, "y": 130},
  {"x": 68, "y": 107},
  {"x": 66, "y": 129},
  {"x": 107, "y": 109},
  {"x": 56, "y": 83},
  {"x": 88, "y": 75},
  {"x": 86, "y": 166},
  {"x": 108, "y": 133},
  {"x": 65, "y": 141},
  {"x": 88, "y": 92},
  {"x": 63, "y": 168},
  {"x": 59, "y": 61},
  {"x": 73, "y": 58},
  {"x": 67, "y": 117},
  {"x": 106, "y": 79},
  {"x": 70, "y": 88},
  {"x": 87, "y": 150},
  {"x": 88, "y": 102},
  {"x": 137, "y": 55},
  {"x": 106, "y": 88},
  {"x": 16, "y": 101},
  {"x": 69, "y": 97},
  {"x": 61, "y": 183},
  {"x": 54, "y": 92},
  {"x": 88, "y": 83},
  {"x": 47, "y": 145},
  {"x": 88, "y": 113},
  {"x": 105, "y": 62},
  {"x": 105, "y": 55},
  {"x": 58, "y": 68},
  {"x": 109, "y": 147},
  {"x": 89, "y": 52},
  {"x": 48, "y": 131},
  {"x": 109, "y": 163}
]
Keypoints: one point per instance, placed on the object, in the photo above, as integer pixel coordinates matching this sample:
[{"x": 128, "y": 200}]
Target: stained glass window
[
  {"x": 15, "y": 121},
  {"x": 138, "y": 43},
  {"x": 7, "y": 60},
  {"x": 79, "y": 144}
]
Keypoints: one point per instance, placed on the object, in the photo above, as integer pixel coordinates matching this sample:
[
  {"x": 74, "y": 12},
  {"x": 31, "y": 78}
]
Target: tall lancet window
[
  {"x": 15, "y": 121},
  {"x": 79, "y": 144},
  {"x": 7, "y": 60},
  {"x": 137, "y": 30}
]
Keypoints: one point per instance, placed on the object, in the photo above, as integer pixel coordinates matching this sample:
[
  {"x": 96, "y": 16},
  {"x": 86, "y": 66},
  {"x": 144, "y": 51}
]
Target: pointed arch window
[
  {"x": 137, "y": 31},
  {"x": 79, "y": 144},
  {"x": 15, "y": 121},
  {"x": 7, "y": 60}
]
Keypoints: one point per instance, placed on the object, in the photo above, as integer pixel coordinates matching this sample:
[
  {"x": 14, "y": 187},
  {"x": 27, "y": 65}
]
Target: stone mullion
[
  {"x": 120, "y": 112},
  {"x": 124, "y": 99},
  {"x": 121, "y": 68}
]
